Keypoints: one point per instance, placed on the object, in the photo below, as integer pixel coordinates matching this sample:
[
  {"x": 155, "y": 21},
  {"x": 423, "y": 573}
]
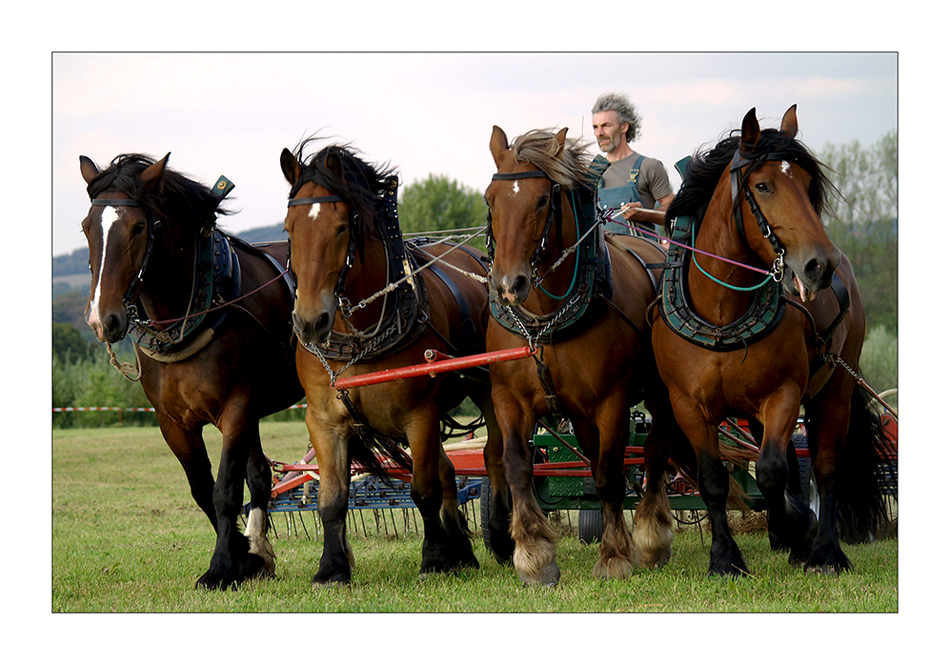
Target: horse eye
[
  {"x": 138, "y": 229},
  {"x": 762, "y": 187},
  {"x": 341, "y": 229},
  {"x": 543, "y": 201}
]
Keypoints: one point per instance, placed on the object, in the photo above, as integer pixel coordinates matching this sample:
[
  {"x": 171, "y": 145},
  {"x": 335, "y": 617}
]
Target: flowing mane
[
  {"x": 705, "y": 169},
  {"x": 338, "y": 169},
  {"x": 178, "y": 197},
  {"x": 567, "y": 167}
]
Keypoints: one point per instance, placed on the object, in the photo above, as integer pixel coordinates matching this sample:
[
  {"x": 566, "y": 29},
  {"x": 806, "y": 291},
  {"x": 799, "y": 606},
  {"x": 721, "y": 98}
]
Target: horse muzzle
[
  {"x": 312, "y": 329},
  {"x": 806, "y": 276},
  {"x": 110, "y": 328},
  {"x": 510, "y": 290}
]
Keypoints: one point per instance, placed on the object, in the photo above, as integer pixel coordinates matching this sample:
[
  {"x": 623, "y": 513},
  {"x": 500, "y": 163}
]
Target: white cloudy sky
[{"x": 232, "y": 113}]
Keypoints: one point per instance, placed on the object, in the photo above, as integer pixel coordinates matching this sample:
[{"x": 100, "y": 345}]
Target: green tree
[
  {"x": 68, "y": 344},
  {"x": 440, "y": 204},
  {"x": 864, "y": 223}
]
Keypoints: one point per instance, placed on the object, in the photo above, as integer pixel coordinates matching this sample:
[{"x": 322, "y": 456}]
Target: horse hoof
[
  {"x": 617, "y": 568},
  {"x": 213, "y": 582},
  {"x": 319, "y": 583},
  {"x": 549, "y": 577}
]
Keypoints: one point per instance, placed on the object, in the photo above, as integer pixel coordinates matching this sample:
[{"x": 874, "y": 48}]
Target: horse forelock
[
  {"x": 706, "y": 168},
  {"x": 359, "y": 183},
  {"x": 178, "y": 199},
  {"x": 568, "y": 167}
]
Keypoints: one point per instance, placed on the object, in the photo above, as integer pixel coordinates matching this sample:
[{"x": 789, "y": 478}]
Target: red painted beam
[{"x": 447, "y": 364}]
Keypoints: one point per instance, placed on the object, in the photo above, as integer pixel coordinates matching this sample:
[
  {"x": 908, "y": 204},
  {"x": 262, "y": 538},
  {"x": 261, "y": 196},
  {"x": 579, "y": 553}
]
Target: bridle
[
  {"x": 350, "y": 251},
  {"x": 553, "y": 220},
  {"x": 153, "y": 226},
  {"x": 740, "y": 181}
]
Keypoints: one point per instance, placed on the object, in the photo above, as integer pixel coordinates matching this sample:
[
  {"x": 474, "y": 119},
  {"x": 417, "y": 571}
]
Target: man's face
[{"x": 609, "y": 131}]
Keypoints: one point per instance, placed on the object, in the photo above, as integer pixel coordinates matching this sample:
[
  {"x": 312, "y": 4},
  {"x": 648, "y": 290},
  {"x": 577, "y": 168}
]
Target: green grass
[{"x": 127, "y": 537}]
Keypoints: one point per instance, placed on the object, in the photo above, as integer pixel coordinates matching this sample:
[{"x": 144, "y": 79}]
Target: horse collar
[
  {"x": 765, "y": 312},
  {"x": 217, "y": 278}
]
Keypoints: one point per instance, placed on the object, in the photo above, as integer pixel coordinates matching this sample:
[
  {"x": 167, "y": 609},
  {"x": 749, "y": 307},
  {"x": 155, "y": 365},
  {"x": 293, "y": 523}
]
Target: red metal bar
[{"x": 449, "y": 364}]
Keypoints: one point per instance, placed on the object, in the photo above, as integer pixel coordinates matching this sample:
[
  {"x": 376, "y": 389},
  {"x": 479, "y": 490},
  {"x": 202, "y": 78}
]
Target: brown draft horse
[
  {"x": 156, "y": 257},
  {"x": 756, "y": 199},
  {"x": 592, "y": 370},
  {"x": 359, "y": 309}
]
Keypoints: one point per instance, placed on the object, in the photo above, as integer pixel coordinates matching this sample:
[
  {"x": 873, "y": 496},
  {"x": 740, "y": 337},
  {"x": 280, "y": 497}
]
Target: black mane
[
  {"x": 359, "y": 183},
  {"x": 705, "y": 169},
  {"x": 177, "y": 199}
]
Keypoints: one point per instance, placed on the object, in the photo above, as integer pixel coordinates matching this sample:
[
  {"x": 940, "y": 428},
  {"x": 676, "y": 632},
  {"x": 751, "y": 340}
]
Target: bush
[{"x": 94, "y": 382}]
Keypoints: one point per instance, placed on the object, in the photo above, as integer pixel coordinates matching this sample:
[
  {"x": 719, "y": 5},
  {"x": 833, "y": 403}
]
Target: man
[{"x": 635, "y": 187}]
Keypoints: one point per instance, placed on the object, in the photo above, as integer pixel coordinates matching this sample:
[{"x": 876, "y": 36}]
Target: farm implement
[{"x": 562, "y": 474}]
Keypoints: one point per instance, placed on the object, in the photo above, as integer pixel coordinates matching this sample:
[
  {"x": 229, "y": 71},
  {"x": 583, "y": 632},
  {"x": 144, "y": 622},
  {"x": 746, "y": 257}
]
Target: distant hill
[{"x": 77, "y": 263}]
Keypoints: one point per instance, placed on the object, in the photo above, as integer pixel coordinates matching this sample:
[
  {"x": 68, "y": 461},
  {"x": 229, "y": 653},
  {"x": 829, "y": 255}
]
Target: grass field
[{"x": 127, "y": 537}]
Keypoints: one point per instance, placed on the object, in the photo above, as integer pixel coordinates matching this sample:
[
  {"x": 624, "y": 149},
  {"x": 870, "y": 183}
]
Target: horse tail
[
  {"x": 373, "y": 450},
  {"x": 863, "y": 466}
]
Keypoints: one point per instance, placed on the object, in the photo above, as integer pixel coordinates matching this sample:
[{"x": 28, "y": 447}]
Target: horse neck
[
  {"x": 365, "y": 279},
  {"x": 718, "y": 235},
  {"x": 560, "y": 281},
  {"x": 169, "y": 278}
]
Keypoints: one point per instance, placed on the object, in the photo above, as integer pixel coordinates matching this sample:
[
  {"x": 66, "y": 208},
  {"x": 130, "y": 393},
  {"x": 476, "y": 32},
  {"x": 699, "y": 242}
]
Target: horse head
[
  {"x": 522, "y": 200},
  {"x": 332, "y": 222},
  {"x": 781, "y": 206},
  {"x": 318, "y": 225},
  {"x": 119, "y": 231}
]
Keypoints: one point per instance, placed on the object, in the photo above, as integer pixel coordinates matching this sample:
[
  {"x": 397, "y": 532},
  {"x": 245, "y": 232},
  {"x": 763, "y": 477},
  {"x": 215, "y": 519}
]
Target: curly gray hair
[{"x": 626, "y": 112}]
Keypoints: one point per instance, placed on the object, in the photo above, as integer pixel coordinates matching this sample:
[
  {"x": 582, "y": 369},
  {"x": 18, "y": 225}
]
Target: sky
[{"x": 426, "y": 113}]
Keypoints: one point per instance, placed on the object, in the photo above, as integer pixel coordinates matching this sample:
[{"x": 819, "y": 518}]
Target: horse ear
[
  {"x": 153, "y": 173},
  {"x": 498, "y": 144},
  {"x": 561, "y": 136},
  {"x": 290, "y": 166},
  {"x": 332, "y": 162},
  {"x": 750, "y": 130},
  {"x": 88, "y": 169},
  {"x": 790, "y": 122}
]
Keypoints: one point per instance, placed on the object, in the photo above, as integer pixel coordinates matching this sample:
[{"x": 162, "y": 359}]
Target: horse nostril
[
  {"x": 817, "y": 272},
  {"x": 520, "y": 286}
]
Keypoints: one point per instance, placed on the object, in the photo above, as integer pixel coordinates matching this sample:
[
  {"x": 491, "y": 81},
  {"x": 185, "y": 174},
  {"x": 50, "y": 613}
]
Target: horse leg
[
  {"x": 791, "y": 522},
  {"x": 232, "y": 562},
  {"x": 653, "y": 528},
  {"x": 189, "y": 447},
  {"x": 535, "y": 539},
  {"x": 445, "y": 546},
  {"x": 725, "y": 558},
  {"x": 332, "y": 454},
  {"x": 453, "y": 520},
  {"x": 828, "y": 425},
  {"x": 499, "y": 521},
  {"x": 616, "y": 556},
  {"x": 259, "y": 484}
]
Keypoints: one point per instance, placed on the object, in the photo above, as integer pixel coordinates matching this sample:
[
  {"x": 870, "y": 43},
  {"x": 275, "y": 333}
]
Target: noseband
[{"x": 553, "y": 219}]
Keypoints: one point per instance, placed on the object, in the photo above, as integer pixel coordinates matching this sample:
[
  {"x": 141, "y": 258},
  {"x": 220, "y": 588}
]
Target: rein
[
  {"x": 770, "y": 273},
  {"x": 217, "y": 307}
]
